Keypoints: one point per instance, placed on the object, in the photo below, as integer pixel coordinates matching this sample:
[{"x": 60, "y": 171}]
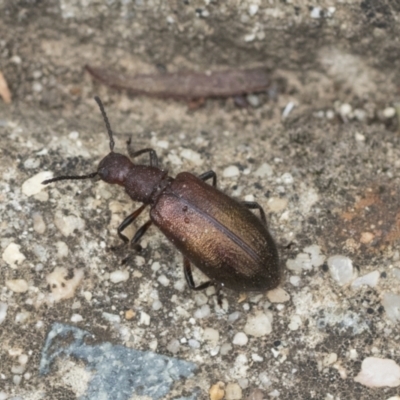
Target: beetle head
[{"x": 114, "y": 168}]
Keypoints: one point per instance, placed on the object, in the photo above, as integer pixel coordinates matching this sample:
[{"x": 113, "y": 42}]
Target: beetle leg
[
  {"x": 252, "y": 205},
  {"x": 189, "y": 277},
  {"x": 140, "y": 232},
  {"x": 133, "y": 154},
  {"x": 127, "y": 221},
  {"x": 209, "y": 174}
]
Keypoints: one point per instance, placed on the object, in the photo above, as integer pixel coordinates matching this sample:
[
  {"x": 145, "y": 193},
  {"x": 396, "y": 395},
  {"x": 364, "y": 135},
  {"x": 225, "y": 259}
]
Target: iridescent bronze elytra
[{"x": 216, "y": 233}]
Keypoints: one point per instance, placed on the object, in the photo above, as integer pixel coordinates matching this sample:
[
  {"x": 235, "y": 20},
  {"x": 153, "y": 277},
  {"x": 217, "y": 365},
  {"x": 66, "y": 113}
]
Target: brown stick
[{"x": 187, "y": 85}]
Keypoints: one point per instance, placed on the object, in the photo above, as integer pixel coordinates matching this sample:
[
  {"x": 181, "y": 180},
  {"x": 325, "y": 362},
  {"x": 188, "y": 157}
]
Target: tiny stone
[
  {"x": 216, "y": 391},
  {"x": 264, "y": 380},
  {"x": 62, "y": 249},
  {"x": 396, "y": 273},
  {"x": 192, "y": 156},
  {"x": 17, "y": 285},
  {"x": 231, "y": 171},
  {"x": 295, "y": 323},
  {"x": 144, "y": 318},
  {"x": 200, "y": 299},
  {"x": 257, "y": 358},
  {"x": 287, "y": 178},
  {"x": 359, "y": 137},
  {"x": 194, "y": 343},
  {"x": 240, "y": 339},
  {"x": 233, "y": 391},
  {"x": 379, "y": 372},
  {"x": 18, "y": 369},
  {"x": 66, "y": 224},
  {"x": 157, "y": 305},
  {"x": 278, "y": 295},
  {"x": 202, "y": 312},
  {"x": 315, "y": 12},
  {"x": 389, "y": 112},
  {"x": 76, "y": 318},
  {"x": 119, "y": 276},
  {"x": 258, "y": 325},
  {"x": 250, "y": 37},
  {"x": 295, "y": 280},
  {"x": 129, "y": 314},
  {"x": 370, "y": 280},
  {"x": 391, "y": 302},
  {"x": 12, "y": 256},
  {"x": 345, "y": 109},
  {"x": 226, "y": 348},
  {"x": 234, "y": 316},
  {"x": 263, "y": 171},
  {"x": 33, "y": 185},
  {"x": 3, "y": 311},
  {"x": 341, "y": 269},
  {"x": 38, "y": 223},
  {"x": 113, "y": 318},
  {"x": 173, "y": 346},
  {"x": 211, "y": 335},
  {"x": 302, "y": 261},
  {"x": 22, "y": 317},
  {"x": 253, "y": 100},
  {"x": 253, "y": 9},
  {"x": 163, "y": 280},
  {"x": 366, "y": 237},
  {"x": 256, "y": 394},
  {"x": 155, "y": 266}
]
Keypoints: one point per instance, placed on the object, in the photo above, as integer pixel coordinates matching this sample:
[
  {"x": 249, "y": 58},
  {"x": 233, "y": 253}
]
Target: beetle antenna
[
  {"x": 107, "y": 122},
  {"x": 69, "y": 177}
]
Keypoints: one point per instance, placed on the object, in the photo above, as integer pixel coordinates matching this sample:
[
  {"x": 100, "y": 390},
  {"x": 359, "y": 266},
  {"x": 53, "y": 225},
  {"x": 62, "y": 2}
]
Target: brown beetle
[{"x": 216, "y": 233}]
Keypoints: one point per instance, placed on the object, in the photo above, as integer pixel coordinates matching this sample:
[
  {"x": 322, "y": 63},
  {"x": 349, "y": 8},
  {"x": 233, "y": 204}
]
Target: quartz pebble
[
  {"x": 33, "y": 185},
  {"x": 231, "y": 171},
  {"x": 192, "y": 156},
  {"x": 391, "y": 302},
  {"x": 119, "y": 276},
  {"x": 370, "y": 280},
  {"x": 258, "y": 325},
  {"x": 263, "y": 171},
  {"x": 38, "y": 223},
  {"x": 278, "y": 295},
  {"x": 240, "y": 339},
  {"x": 66, "y": 224},
  {"x": 12, "y": 255},
  {"x": 233, "y": 391},
  {"x": 341, "y": 269},
  {"x": 211, "y": 335},
  {"x": 17, "y": 285},
  {"x": 379, "y": 372},
  {"x": 3, "y": 311}
]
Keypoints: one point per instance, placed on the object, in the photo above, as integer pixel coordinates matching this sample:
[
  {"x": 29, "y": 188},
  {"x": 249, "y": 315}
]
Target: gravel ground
[{"x": 319, "y": 151}]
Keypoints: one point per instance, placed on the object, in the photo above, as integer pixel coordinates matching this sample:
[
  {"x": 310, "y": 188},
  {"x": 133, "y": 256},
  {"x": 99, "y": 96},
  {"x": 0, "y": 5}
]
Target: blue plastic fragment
[{"x": 118, "y": 372}]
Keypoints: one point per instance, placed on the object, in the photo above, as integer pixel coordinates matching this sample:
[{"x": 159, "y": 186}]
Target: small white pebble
[
  {"x": 231, "y": 171},
  {"x": 157, "y": 305},
  {"x": 359, "y": 137},
  {"x": 73, "y": 135},
  {"x": 258, "y": 325},
  {"x": 288, "y": 109},
  {"x": 345, "y": 109},
  {"x": 370, "y": 280},
  {"x": 155, "y": 266},
  {"x": 22, "y": 317},
  {"x": 163, "y": 280},
  {"x": 341, "y": 269},
  {"x": 211, "y": 335},
  {"x": 278, "y": 295},
  {"x": 62, "y": 249},
  {"x": 38, "y": 223},
  {"x": 12, "y": 255},
  {"x": 113, "y": 318},
  {"x": 391, "y": 303},
  {"x": 144, "y": 318},
  {"x": 379, "y": 372},
  {"x": 202, "y": 312},
  {"x": 33, "y": 185},
  {"x": 17, "y": 285},
  {"x": 192, "y": 156},
  {"x": 295, "y": 280},
  {"x": 389, "y": 112},
  {"x": 250, "y": 37},
  {"x": 76, "y": 318},
  {"x": 162, "y": 144},
  {"x": 257, "y": 358},
  {"x": 263, "y": 171},
  {"x": 173, "y": 346},
  {"x": 295, "y": 323},
  {"x": 193, "y": 343},
  {"x": 66, "y": 224},
  {"x": 287, "y": 178},
  {"x": 119, "y": 276},
  {"x": 200, "y": 299},
  {"x": 233, "y": 391},
  {"x": 240, "y": 339},
  {"x": 3, "y": 311},
  {"x": 253, "y": 9},
  {"x": 316, "y": 12}
]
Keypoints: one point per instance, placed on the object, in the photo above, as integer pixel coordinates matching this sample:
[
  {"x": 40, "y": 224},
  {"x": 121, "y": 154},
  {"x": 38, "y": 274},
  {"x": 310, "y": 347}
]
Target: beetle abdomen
[{"x": 217, "y": 234}]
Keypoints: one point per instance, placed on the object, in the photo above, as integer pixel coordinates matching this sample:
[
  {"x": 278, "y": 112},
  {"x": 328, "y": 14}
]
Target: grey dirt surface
[{"x": 320, "y": 151}]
